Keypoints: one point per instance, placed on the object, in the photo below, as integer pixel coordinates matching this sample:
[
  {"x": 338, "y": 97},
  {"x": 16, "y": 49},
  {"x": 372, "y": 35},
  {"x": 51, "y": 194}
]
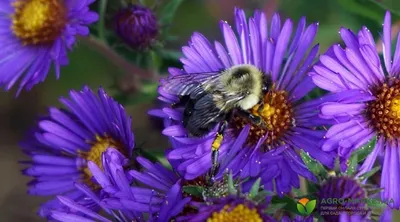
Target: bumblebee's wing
[
  {"x": 187, "y": 84},
  {"x": 205, "y": 111}
]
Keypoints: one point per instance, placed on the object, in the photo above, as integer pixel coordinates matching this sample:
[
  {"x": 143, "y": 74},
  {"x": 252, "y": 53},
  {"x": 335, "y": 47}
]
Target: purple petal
[
  {"x": 340, "y": 109},
  {"x": 231, "y": 43},
  {"x": 222, "y": 54},
  {"x": 281, "y": 47},
  {"x": 74, "y": 206},
  {"x": 370, "y": 160},
  {"x": 386, "y": 43},
  {"x": 175, "y": 130},
  {"x": 69, "y": 217},
  {"x": 390, "y": 175}
]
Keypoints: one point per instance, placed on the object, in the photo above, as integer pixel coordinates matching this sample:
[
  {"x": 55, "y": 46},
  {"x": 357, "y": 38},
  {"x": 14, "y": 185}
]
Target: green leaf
[
  {"x": 370, "y": 173},
  {"x": 312, "y": 187},
  {"x": 155, "y": 60},
  {"x": 362, "y": 8},
  {"x": 231, "y": 185},
  {"x": 273, "y": 208},
  {"x": 310, "y": 206},
  {"x": 375, "y": 203},
  {"x": 168, "y": 11},
  {"x": 193, "y": 190},
  {"x": 384, "y": 7},
  {"x": 147, "y": 94},
  {"x": 352, "y": 166},
  {"x": 169, "y": 54},
  {"x": 255, "y": 188},
  {"x": 101, "y": 23},
  {"x": 313, "y": 165},
  {"x": 262, "y": 195},
  {"x": 365, "y": 150},
  {"x": 290, "y": 206},
  {"x": 152, "y": 156},
  {"x": 297, "y": 192}
]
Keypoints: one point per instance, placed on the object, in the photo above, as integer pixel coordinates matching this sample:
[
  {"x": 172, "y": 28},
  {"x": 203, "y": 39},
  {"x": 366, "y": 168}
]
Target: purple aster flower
[
  {"x": 36, "y": 34},
  {"x": 231, "y": 208},
  {"x": 297, "y": 218},
  {"x": 63, "y": 142},
  {"x": 350, "y": 196},
  {"x": 156, "y": 190},
  {"x": 121, "y": 201},
  {"x": 136, "y": 25},
  {"x": 159, "y": 179},
  {"x": 367, "y": 95},
  {"x": 285, "y": 55}
]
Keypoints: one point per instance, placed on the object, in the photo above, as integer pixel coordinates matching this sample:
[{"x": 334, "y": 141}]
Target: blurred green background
[{"x": 89, "y": 67}]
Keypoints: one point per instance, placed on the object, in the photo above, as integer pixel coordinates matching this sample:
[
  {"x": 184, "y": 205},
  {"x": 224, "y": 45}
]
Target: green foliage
[
  {"x": 231, "y": 185},
  {"x": 290, "y": 204},
  {"x": 363, "y": 8},
  {"x": 273, "y": 208},
  {"x": 255, "y": 188},
  {"x": 352, "y": 166},
  {"x": 147, "y": 93},
  {"x": 193, "y": 190},
  {"x": 168, "y": 11},
  {"x": 313, "y": 165},
  {"x": 364, "y": 151},
  {"x": 370, "y": 173}
]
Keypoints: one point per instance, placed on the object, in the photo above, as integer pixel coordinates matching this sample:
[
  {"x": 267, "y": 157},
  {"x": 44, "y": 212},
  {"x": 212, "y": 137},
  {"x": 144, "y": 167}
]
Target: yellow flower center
[
  {"x": 238, "y": 213},
  {"x": 384, "y": 111},
  {"x": 38, "y": 21},
  {"x": 396, "y": 108},
  {"x": 277, "y": 115},
  {"x": 267, "y": 112},
  {"x": 94, "y": 154}
]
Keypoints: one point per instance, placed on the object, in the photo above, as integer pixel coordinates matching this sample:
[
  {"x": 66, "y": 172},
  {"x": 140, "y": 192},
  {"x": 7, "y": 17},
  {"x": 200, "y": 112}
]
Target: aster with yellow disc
[
  {"x": 35, "y": 35},
  {"x": 65, "y": 140},
  {"x": 366, "y": 89},
  {"x": 268, "y": 118}
]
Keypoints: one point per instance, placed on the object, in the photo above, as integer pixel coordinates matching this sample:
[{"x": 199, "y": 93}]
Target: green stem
[
  {"x": 118, "y": 60},
  {"x": 385, "y": 7},
  {"x": 101, "y": 23}
]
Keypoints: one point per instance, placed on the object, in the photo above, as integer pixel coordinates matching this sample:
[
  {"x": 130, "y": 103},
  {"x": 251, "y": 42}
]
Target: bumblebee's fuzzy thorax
[{"x": 245, "y": 80}]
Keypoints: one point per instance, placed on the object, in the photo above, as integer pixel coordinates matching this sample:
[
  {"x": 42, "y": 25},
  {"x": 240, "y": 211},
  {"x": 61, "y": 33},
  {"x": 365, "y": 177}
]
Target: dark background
[{"x": 91, "y": 68}]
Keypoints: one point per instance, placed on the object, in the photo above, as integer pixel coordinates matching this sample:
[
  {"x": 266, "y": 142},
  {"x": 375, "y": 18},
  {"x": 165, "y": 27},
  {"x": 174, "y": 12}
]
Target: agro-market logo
[{"x": 306, "y": 206}]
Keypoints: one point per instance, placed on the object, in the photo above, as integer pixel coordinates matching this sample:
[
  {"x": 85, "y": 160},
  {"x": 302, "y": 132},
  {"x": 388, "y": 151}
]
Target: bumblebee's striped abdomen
[{"x": 201, "y": 115}]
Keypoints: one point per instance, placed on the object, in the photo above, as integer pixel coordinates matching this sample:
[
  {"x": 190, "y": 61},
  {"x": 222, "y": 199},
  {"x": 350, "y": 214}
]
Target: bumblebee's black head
[{"x": 240, "y": 72}]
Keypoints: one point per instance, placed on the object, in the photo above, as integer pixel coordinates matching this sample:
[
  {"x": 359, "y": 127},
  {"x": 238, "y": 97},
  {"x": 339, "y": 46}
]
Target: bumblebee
[{"x": 209, "y": 99}]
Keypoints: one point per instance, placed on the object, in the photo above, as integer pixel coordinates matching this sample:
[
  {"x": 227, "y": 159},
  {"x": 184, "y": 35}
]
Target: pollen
[
  {"x": 38, "y": 21},
  {"x": 238, "y": 213},
  {"x": 277, "y": 117},
  {"x": 94, "y": 154},
  {"x": 384, "y": 111}
]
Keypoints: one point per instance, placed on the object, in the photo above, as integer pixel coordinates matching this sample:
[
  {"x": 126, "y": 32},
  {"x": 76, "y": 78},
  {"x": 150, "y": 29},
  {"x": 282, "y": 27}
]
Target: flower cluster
[{"x": 244, "y": 134}]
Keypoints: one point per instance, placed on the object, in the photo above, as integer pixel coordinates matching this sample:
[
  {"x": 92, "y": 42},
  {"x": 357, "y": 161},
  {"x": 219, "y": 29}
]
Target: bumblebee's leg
[
  {"x": 261, "y": 106},
  {"x": 253, "y": 118},
  {"x": 215, "y": 147}
]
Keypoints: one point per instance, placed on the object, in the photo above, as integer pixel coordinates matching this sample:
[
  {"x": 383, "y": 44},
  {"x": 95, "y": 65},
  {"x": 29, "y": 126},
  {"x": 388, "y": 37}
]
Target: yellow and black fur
[{"x": 210, "y": 98}]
